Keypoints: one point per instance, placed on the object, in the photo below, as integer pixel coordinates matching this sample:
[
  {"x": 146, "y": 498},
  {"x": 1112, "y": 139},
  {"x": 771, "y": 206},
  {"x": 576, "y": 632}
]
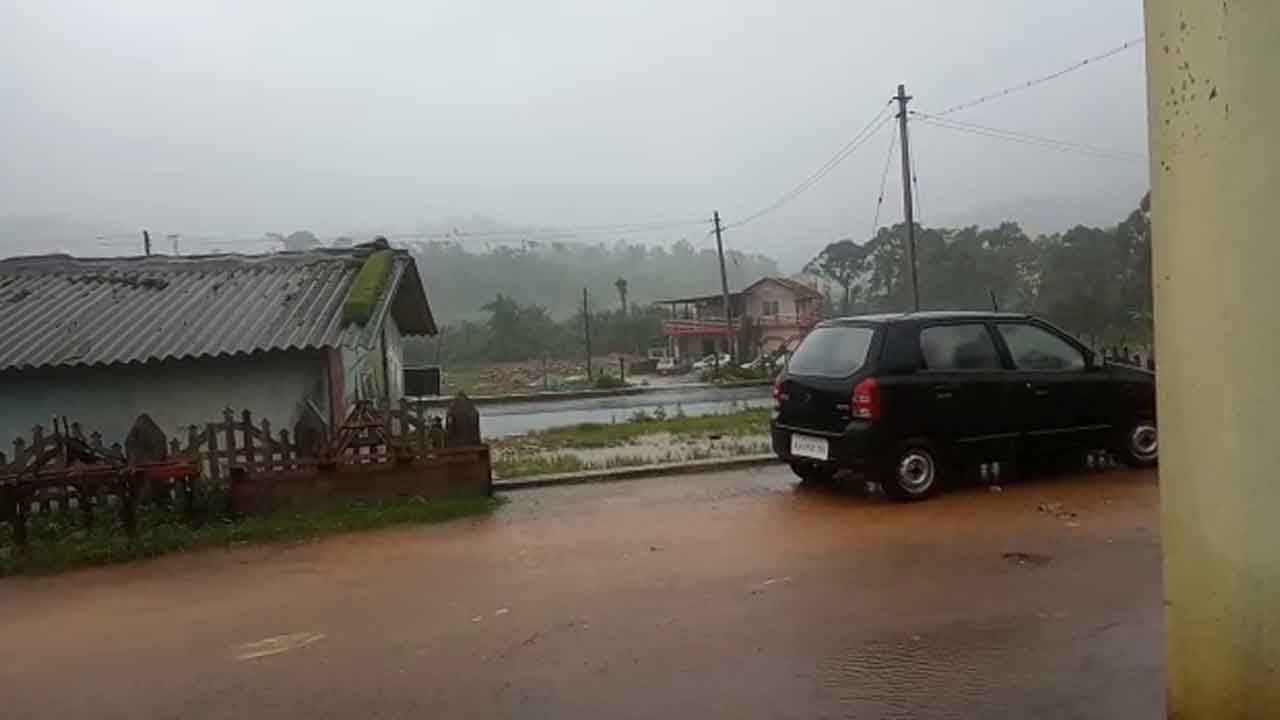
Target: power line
[
  {"x": 1027, "y": 138},
  {"x": 843, "y": 153},
  {"x": 1044, "y": 78},
  {"x": 884, "y": 177}
]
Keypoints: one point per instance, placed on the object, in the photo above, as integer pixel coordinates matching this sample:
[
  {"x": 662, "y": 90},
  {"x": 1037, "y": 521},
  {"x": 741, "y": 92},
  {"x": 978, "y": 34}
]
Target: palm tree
[{"x": 621, "y": 284}]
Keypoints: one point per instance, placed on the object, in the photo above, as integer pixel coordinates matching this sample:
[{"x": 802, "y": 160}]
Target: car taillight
[
  {"x": 865, "y": 403},
  {"x": 778, "y": 395}
]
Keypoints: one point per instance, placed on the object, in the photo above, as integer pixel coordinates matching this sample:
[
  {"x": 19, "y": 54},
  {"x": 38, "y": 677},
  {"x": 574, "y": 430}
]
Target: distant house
[
  {"x": 100, "y": 341},
  {"x": 779, "y": 310}
]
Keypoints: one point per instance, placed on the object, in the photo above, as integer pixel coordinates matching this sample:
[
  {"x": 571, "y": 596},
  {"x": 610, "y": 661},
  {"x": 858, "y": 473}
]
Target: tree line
[
  {"x": 515, "y": 331},
  {"x": 1093, "y": 282},
  {"x": 461, "y": 280}
]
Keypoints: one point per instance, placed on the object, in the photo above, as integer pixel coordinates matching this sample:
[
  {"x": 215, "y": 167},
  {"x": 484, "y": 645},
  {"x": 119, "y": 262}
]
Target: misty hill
[
  {"x": 1047, "y": 214},
  {"x": 460, "y": 281},
  {"x": 40, "y": 234}
]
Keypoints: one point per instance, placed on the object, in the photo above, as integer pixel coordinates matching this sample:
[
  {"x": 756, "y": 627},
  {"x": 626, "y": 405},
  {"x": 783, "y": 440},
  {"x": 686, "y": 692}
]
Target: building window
[{"x": 770, "y": 307}]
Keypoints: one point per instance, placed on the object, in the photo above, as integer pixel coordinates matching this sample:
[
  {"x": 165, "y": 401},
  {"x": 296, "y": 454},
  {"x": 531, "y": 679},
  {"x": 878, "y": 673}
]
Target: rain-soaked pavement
[{"x": 726, "y": 595}]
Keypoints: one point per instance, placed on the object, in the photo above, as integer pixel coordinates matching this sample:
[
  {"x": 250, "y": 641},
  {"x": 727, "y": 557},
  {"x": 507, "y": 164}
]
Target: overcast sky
[{"x": 237, "y": 118}]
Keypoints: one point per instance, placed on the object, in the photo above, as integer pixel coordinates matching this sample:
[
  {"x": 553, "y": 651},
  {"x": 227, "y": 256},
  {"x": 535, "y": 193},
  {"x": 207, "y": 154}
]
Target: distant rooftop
[
  {"x": 793, "y": 285},
  {"x": 58, "y": 310}
]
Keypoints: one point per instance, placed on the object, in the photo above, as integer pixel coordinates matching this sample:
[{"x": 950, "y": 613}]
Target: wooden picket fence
[
  {"x": 65, "y": 470},
  {"x": 370, "y": 435}
]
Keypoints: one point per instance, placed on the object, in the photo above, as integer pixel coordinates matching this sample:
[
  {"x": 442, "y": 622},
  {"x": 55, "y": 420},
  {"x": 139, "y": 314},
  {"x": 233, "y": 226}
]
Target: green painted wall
[
  {"x": 175, "y": 393},
  {"x": 1214, "y": 113}
]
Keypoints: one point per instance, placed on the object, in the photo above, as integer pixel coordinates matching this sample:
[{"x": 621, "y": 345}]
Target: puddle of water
[
  {"x": 277, "y": 645},
  {"x": 1027, "y": 559}
]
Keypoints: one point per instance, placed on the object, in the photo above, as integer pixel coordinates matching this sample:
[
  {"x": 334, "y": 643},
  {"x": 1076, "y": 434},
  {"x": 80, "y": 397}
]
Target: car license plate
[{"x": 810, "y": 447}]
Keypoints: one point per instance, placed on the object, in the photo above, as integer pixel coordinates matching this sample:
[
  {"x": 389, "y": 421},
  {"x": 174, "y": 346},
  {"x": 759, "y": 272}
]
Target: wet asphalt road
[{"x": 727, "y": 595}]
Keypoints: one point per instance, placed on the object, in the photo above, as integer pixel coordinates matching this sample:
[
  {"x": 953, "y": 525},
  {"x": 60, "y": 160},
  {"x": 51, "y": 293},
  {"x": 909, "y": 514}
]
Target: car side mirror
[{"x": 1091, "y": 361}]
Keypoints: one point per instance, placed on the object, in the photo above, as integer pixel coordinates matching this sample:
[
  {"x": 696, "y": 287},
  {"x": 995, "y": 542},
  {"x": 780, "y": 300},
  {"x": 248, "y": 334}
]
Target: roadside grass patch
[
  {"x": 57, "y": 543},
  {"x": 651, "y": 437},
  {"x": 752, "y": 421},
  {"x": 513, "y": 465}
]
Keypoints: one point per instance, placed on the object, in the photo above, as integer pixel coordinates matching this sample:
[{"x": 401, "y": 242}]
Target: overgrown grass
[
  {"x": 519, "y": 467},
  {"x": 604, "y": 381},
  {"x": 367, "y": 288},
  {"x": 56, "y": 543},
  {"x": 513, "y": 465},
  {"x": 751, "y": 421}
]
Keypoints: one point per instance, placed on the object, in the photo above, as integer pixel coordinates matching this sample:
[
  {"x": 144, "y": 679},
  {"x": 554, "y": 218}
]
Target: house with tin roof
[{"x": 101, "y": 340}]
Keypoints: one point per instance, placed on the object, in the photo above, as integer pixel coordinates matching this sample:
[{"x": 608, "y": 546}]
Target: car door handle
[
  {"x": 1038, "y": 390},
  {"x": 943, "y": 392}
]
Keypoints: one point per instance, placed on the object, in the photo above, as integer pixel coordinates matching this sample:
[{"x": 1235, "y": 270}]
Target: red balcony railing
[
  {"x": 682, "y": 328},
  {"x": 716, "y": 326}
]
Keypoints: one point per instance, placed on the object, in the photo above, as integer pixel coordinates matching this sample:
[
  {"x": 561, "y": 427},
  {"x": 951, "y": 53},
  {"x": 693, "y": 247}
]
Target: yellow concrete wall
[{"x": 1214, "y": 102}]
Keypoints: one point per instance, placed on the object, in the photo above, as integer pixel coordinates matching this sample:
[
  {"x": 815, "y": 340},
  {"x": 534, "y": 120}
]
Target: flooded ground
[{"x": 731, "y": 595}]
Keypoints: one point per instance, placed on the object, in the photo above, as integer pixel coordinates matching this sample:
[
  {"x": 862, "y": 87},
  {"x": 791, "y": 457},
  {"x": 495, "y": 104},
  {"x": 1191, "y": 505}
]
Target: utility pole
[
  {"x": 146, "y": 242},
  {"x": 724, "y": 290},
  {"x": 907, "y": 204},
  {"x": 586, "y": 330}
]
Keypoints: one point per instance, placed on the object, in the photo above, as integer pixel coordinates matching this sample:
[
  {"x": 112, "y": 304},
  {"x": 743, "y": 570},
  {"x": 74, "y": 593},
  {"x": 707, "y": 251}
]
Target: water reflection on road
[{"x": 515, "y": 418}]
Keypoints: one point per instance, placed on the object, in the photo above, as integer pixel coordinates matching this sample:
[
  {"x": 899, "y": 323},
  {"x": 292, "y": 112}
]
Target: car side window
[
  {"x": 1034, "y": 348},
  {"x": 958, "y": 347}
]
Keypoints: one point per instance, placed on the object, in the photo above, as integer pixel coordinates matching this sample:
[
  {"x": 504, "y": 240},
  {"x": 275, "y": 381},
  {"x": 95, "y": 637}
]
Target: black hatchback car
[{"x": 907, "y": 396}]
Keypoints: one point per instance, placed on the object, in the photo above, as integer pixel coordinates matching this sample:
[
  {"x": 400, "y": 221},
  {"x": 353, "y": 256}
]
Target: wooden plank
[
  {"x": 268, "y": 447},
  {"x": 420, "y": 430},
  {"x": 247, "y": 430},
  {"x": 19, "y": 454},
  {"x": 229, "y": 436},
  {"x": 286, "y": 450},
  {"x": 211, "y": 435}
]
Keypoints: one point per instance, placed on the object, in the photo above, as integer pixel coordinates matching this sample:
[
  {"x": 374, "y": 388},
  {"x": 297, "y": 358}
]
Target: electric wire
[
  {"x": 1043, "y": 78},
  {"x": 841, "y": 155}
]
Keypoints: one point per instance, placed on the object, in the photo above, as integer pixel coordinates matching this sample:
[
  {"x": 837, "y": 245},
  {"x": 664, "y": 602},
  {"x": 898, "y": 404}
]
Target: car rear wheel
[
  {"x": 1140, "y": 444},
  {"x": 813, "y": 474},
  {"x": 912, "y": 473}
]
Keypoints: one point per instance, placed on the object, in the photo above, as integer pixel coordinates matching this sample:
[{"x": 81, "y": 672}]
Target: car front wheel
[
  {"x": 912, "y": 473},
  {"x": 1140, "y": 444}
]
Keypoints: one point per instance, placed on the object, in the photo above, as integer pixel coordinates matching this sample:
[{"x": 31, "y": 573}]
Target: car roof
[{"x": 890, "y": 318}]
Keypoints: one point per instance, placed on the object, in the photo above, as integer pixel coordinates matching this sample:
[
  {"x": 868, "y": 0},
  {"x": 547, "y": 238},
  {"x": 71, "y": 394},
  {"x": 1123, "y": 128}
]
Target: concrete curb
[
  {"x": 632, "y": 473},
  {"x": 590, "y": 394}
]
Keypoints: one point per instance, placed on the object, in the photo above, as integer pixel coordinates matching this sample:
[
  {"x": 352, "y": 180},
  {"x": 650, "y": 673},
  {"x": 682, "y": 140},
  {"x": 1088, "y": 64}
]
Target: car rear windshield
[{"x": 837, "y": 351}]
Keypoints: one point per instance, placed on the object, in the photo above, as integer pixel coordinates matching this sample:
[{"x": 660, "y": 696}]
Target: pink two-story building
[{"x": 781, "y": 310}]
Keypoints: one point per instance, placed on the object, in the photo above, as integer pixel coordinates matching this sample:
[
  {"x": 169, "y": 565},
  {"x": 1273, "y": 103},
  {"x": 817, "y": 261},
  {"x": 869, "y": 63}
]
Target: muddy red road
[{"x": 729, "y": 595}]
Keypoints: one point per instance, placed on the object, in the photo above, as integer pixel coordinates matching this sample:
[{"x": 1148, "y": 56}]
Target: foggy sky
[{"x": 239, "y": 118}]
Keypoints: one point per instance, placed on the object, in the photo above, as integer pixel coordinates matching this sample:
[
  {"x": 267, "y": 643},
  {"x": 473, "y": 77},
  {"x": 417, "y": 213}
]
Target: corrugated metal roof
[{"x": 64, "y": 311}]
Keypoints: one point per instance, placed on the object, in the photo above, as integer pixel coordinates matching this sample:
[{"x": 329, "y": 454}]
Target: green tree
[{"x": 844, "y": 263}]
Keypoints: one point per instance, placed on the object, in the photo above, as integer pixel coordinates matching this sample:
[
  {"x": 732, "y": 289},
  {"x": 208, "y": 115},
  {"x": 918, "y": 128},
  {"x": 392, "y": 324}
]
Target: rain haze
[{"x": 229, "y": 120}]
